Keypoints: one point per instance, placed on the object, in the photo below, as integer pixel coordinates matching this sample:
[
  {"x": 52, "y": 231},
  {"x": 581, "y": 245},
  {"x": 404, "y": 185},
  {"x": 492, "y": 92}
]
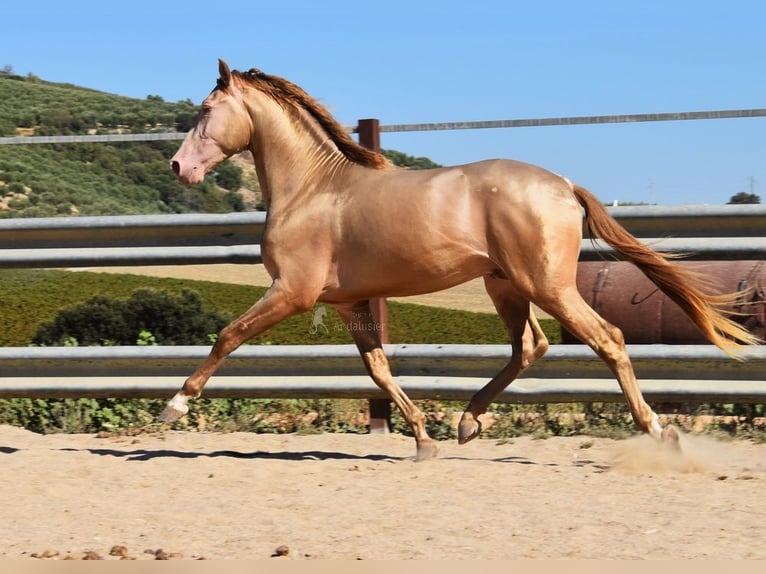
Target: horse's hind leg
[
  {"x": 360, "y": 322},
  {"x": 576, "y": 316},
  {"x": 528, "y": 344}
]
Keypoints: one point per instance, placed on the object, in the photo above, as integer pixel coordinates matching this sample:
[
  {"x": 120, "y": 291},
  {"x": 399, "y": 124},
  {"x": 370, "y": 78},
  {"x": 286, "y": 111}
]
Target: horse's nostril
[{"x": 176, "y": 167}]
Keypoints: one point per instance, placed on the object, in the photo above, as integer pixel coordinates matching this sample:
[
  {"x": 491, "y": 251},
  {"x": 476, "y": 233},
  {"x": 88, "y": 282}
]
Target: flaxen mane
[{"x": 286, "y": 93}]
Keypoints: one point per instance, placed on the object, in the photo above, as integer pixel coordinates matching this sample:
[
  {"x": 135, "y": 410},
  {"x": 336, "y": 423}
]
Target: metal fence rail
[
  {"x": 722, "y": 232},
  {"x": 421, "y": 127},
  {"x": 696, "y": 373},
  {"x": 568, "y": 373},
  {"x": 695, "y": 249}
]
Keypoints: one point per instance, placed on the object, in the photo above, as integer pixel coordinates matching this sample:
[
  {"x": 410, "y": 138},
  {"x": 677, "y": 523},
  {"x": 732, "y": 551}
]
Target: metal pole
[{"x": 380, "y": 409}]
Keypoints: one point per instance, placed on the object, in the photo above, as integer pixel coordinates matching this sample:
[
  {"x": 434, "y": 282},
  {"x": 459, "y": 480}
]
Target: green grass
[{"x": 31, "y": 297}]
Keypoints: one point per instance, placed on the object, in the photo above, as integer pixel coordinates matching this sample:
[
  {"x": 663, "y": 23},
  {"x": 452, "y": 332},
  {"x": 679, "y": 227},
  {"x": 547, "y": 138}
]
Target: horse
[{"x": 344, "y": 226}]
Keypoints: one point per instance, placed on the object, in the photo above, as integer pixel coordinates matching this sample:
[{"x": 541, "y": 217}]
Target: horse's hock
[{"x": 622, "y": 295}]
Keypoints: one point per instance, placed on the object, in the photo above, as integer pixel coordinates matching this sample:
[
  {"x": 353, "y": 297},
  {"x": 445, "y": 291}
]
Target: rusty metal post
[
  {"x": 369, "y": 134},
  {"x": 380, "y": 409}
]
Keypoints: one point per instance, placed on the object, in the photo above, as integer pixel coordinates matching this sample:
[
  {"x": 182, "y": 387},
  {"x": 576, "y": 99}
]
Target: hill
[
  {"x": 94, "y": 179},
  {"x": 46, "y": 180}
]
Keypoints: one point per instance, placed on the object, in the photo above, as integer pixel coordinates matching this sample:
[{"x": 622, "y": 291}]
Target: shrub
[
  {"x": 147, "y": 315},
  {"x": 228, "y": 176}
]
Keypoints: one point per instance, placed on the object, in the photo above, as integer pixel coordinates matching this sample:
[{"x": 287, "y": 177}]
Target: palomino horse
[{"x": 344, "y": 227}]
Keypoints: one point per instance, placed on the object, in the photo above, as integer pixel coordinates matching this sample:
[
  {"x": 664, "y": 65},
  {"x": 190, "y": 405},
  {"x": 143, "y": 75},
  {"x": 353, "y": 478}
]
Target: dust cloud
[{"x": 643, "y": 455}]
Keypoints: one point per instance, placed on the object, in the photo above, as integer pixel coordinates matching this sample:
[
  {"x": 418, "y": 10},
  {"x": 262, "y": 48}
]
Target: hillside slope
[
  {"x": 95, "y": 179},
  {"x": 46, "y": 180}
]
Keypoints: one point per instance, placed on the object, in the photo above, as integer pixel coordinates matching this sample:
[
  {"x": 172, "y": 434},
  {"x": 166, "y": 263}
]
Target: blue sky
[{"x": 413, "y": 62}]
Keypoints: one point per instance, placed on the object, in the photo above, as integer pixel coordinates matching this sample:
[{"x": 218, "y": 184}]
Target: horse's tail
[{"x": 686, "y": 288}]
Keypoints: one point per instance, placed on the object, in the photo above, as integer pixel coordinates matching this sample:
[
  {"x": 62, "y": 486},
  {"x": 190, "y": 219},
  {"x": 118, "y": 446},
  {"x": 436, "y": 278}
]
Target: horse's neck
[{"x": 294, "y": 157}]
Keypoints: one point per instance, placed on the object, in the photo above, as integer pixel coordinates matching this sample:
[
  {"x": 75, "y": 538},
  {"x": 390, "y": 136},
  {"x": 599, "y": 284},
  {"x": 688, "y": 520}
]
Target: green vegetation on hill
[
  {"x": 100, "y": 179},
  {"x": 95, "y": 179},
  {"x": 57, "y": 109},
  {"x": 41, "y": 180}
]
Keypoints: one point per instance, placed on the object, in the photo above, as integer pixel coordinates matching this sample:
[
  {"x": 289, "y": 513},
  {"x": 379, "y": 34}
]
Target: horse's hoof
[
  {"x": 671, "y": 439},
  {"x": 468, "y": 429},
  {"x": 173, "y": 411},
  {"x": 426, "y": 451}
]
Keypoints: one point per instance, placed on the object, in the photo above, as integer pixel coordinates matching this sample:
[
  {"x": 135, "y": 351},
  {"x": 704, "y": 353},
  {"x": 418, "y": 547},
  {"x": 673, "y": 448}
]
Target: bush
[
  {"x": 228, "y": 176},
  {"x": 148, "y": 314}
]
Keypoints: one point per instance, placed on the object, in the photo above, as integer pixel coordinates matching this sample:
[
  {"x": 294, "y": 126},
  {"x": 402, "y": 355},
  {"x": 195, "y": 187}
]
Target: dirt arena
[{"x": 183, "y": 495}]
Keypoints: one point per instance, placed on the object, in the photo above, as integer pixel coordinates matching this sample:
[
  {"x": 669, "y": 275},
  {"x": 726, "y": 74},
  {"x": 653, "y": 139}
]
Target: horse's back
[
  {"x": 521, "y": 195},
  {"x": 447, "y": 225}
]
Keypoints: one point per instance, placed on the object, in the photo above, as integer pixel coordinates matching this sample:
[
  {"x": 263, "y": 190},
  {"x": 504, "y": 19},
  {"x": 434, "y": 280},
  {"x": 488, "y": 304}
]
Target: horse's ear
[{"x": 224, "y": 73}]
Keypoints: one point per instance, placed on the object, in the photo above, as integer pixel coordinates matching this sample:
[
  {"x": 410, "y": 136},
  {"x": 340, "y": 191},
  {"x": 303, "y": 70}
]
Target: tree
[
  {"x": 403, "y": 160},
  {"x": 743, "y": 197}
]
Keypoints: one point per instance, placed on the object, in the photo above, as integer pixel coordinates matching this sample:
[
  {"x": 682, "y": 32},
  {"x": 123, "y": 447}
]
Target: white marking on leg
[
  {"x": 174, "y": 409},
  {"x": 178, "y": 403}
]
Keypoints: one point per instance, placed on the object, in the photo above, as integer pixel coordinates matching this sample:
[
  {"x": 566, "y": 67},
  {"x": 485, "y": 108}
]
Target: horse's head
[{"x": 223, "y": 129}]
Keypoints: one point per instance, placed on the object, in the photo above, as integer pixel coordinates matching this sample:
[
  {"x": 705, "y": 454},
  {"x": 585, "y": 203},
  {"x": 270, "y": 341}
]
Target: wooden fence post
[{"x": 380, "y": 409}]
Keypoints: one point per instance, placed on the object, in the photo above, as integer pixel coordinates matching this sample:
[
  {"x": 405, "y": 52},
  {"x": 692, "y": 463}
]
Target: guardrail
[
  {"x": 183, "y": 239},
  {"x": 567, "y": 373},
  {"x": 702, "y": 232},
  {"x": 697, "y": 373}
]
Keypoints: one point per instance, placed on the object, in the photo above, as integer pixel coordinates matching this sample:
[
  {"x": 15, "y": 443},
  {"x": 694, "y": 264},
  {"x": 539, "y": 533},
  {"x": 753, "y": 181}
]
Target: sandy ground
[{"x": 336, "y": 496}]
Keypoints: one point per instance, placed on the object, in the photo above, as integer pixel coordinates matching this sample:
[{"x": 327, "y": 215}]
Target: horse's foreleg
[
  {"x": 528, "y": 344},
  {"x": 366, "y": 333},
  {"x": 277, "y": 304}
]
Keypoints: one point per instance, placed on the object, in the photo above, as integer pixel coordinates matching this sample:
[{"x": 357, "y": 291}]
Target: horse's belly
[{"x": 401, "y": 280}]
